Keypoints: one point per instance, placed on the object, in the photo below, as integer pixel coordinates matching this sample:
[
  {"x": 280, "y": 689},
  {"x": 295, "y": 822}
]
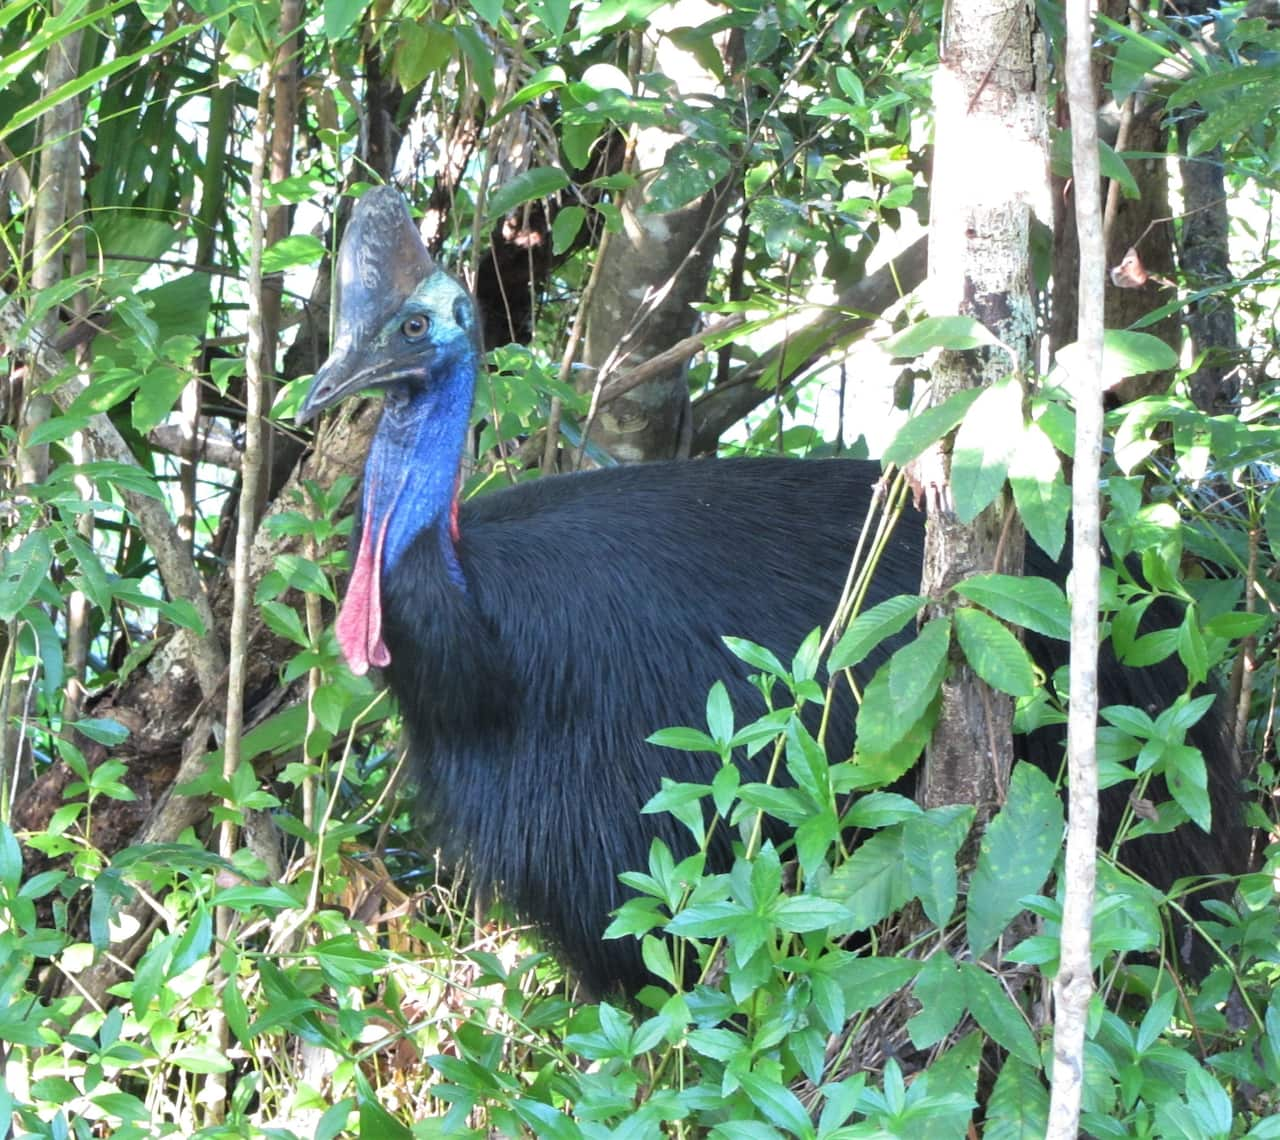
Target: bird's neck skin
[
  {"x": 410, "y": 485},
  {"x": 411, "y": 476}
]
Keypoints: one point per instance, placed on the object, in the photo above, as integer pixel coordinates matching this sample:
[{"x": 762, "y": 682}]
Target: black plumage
[{"x": 535, "y": 637}]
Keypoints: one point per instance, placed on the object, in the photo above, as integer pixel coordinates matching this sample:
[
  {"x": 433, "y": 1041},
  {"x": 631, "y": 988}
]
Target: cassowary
[{"x": 535, "y": 637}]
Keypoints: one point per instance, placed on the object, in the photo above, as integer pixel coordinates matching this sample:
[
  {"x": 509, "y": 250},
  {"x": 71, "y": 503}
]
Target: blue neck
[{"x": 411, "y": 476}]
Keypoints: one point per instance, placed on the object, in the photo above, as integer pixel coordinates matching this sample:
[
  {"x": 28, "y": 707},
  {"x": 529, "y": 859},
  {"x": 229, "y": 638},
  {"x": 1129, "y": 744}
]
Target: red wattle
[{"x": 359, "y": 626}]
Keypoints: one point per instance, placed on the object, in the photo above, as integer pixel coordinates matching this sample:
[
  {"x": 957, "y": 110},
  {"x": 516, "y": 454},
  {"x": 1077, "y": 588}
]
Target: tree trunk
[
  {"x": 989, "y": 99},
  {"x": 652, "y": 272}
]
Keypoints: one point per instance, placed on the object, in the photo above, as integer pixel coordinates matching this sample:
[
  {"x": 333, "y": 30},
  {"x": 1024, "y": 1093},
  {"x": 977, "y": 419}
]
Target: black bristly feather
[
  {"x": 593, "y": 615},
  {"x": 574, "y": 616}
]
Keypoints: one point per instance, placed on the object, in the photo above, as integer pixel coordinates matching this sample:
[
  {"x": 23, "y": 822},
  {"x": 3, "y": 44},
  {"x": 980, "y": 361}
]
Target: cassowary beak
[
  {"x": 380, "y": 262},
  {"x": 339, "y": 377}
]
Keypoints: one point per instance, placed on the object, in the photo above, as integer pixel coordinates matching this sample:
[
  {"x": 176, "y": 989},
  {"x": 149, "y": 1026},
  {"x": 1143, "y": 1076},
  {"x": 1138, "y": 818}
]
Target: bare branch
[{"x": 717, "y": 410}]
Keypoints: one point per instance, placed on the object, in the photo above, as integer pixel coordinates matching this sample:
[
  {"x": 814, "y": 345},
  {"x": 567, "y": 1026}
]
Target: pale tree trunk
[
  {"x": 652, "y": 272},
  {"x": 989, "y": 100}
]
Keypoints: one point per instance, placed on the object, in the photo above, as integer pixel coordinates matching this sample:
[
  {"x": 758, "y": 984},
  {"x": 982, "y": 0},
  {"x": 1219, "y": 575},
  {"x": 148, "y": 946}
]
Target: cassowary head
[
  {"x": 399, "y": 321},
  {"x": 404, "y": 326}
]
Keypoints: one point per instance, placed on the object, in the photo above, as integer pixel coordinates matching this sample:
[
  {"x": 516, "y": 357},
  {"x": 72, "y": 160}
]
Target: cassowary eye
[{"x": 415, "y": 328}]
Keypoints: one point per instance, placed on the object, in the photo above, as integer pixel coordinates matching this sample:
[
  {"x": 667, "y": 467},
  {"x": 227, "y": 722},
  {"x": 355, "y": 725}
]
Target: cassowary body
[{"x": 535, "y": 637}]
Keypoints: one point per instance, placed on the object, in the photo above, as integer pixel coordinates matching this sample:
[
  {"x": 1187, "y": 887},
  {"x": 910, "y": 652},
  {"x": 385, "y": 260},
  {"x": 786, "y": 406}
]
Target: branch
[
  {"x": 213, "y": 443},
  {"x": 722, "y": 407},
  {"x": 677, "y": 354}
]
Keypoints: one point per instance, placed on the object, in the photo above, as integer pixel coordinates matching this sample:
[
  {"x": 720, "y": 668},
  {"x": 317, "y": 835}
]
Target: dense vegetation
[{"x": 217, "y": 916}]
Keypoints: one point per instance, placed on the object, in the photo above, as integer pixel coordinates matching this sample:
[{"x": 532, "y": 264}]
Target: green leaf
[
  {"x": 803, "y": 913},
  {"x": 1209, "y": 1104},
  {"x": 490, "y": 11},
  {"x": 709, "y": 920},
  {"x": 564, "y": 229},
  {"x": 691, "y": 170},
  {"x": 284, "y": 621},
  {"x": 1191, "y": 648},
  {"x": 1124, "y": 354},
  {"x": 931, "y": 841},
  {"x": 10, "y": 859},
  {"x": 684, "y": 801},
  {"x": 553, "y": 15},
  {"x": 1033, "y": 603},
  {"x": 608, "y": 13},
  {"x": 873, "y": 883},
  {"x": 881, "y": 809},
  {"x": 540, "y": 182},
  {"x": 156, "y": 396},
  {"x": 994, "y": 653},
  {"x": 1188, "y": 781},
  {"x": 237, "y": 1013},
  {"x": 1040, "y": 491},
  {"x": 953, "y": 1087},
  {"x": 683, "y": 739},
  {"x": 1236, "y": 119},
  {"x": 303, "y": 574},
  {"x": 870, "y": 628},
  {"x": 22, "y": 572},
  {"x": 180, "y": 309},
  {"x": 1224, "y": 81},
  {"x": 1019, "y": 1106},
  {"x": 124, "y": 1105},
  {"x": 201, "y": 1058},
  {"x": 1113, "y": 165},
  {"x": 924, "y": 430},
  {"x": 297, "y": 249},
  {"x": 328, "y": 703},
  {"x": 183, "y": 614},
  {"x": 340, "y": 17},
  {"x": 56, "y": 429},
  {"x": 1017, "y": 853},
  {"x": 777, "y": 1103},
  {"x": 577, "y": 138},
  {"x": 250, "y": 898},
  {"x": 423, "y": 48},
  {"x": 48, "y": 647},
  {"x": 480, "y": 58},
  {"x": 877, "y": 767},
  {"x": 756, "y": 656},
  {"x": 102, "y": 730},
  {"x": 377, "y": 1121},
  {"x": 917, "y": 669},
  {"x": 545, "y": 79},
  {"x": 957, "y": 333},
  {"x": 940, "y": 991},
  {"x": 995, "y": 1012},
  {"x": 91, "y": 574},
  {"x": 720, "y": 713},
  {"x": 985, "y": 444},
  {"x": 1155, "y": 1021},
  {"x": 851, "y": 85},
  {"x": 866, "y": 982}
]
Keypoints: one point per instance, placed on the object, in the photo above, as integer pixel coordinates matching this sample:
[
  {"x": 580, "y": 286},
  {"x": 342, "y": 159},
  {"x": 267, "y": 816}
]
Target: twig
[{"x": 251, "y": 467}]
